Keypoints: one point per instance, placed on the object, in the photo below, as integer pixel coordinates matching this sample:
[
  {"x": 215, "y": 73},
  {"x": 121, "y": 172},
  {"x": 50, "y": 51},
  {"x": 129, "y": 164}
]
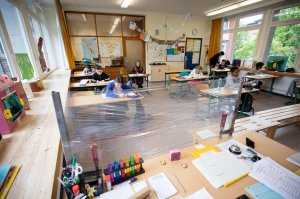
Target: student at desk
[
  {"x": 88, "y": 69},
  {"x": 115, "y": 88},
  {"x": 232, "y": 78},
  {"x": 256, "y": 71},
  {"x": 138, "y": 69},
  {"x": 99, "y": 75},
  {"x": 196, "y": 72}
]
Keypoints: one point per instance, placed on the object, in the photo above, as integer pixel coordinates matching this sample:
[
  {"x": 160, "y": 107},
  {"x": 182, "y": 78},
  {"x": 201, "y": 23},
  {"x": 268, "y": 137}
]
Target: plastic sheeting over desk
[{"x": 164, "y": 118}]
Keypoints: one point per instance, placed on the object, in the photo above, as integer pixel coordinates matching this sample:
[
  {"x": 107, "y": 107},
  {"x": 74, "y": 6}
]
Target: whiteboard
[{"x": 156, "y": 52}]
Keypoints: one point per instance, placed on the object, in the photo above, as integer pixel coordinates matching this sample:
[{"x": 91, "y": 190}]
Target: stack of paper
[
  {"x": 83, "y": 82},
  {"x": 276, "y": 177},
  {"x": 295, "y": 159},
  {"x": 162, "y": 186},
  {"x": 221, "y": 169}
]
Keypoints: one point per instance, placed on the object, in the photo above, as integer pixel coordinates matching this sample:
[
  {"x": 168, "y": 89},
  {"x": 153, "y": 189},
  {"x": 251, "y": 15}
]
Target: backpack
[{"x": 248, "y": 103}]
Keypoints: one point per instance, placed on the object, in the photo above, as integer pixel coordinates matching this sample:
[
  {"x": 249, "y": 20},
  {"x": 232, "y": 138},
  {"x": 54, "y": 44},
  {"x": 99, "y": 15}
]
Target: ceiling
[{"x": 178, "y": 7}]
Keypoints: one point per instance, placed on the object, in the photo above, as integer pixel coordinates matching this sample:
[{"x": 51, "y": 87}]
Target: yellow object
[
  {"x": 21, "y": 102},
  {"x": 298, "y": 172},
  {"x": 234, "y": 180},
  {"x": 198, "y": 152},
  {"x": 215, "y": 35},
  {"x": 7, "y": 114},
  {"x": 8, "y": 185}
]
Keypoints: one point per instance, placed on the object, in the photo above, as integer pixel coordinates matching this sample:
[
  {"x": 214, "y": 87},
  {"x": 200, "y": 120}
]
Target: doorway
[{"x": 135, "y": 49}]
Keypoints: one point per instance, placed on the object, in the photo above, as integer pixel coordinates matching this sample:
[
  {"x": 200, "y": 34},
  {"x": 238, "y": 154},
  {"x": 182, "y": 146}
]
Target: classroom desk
[
  {"x": 88, "y": 98},
  {"x": 131, "y": 76},
  {"x": 76, "y": 86},
  {"x": 217, "y": 73},
  {"x": 192, "y": 180},
  {"x": 182, "y": 80},
  {"x": 262, "y": 77},
  {"x": 174, "y": 72}
]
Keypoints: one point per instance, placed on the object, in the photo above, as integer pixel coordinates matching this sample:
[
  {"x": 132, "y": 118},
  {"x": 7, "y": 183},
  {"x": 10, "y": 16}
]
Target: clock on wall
[{"x": 194, "y": 32}]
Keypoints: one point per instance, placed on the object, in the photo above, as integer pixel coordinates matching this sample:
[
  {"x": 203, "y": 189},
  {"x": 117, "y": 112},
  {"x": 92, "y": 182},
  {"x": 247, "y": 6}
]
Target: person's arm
[
  {"x": 126, "y": 87},
  {"x": 134, "y": 71},
  {"x": 110, "y": 91},
  {"x": 106, "y": 76},
  {"x": 95, "y": 77}
]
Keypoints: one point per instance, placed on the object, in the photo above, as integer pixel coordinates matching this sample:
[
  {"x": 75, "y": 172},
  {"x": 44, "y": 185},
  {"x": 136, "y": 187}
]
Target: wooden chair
[{"x": 203, "y": 99}]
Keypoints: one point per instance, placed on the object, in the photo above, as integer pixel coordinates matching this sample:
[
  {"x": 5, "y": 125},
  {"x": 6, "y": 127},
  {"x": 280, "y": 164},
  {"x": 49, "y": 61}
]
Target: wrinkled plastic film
[{"x": 166, "y": 118}]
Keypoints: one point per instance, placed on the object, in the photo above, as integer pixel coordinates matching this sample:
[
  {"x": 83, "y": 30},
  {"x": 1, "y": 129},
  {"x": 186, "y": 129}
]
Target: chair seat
[{"x": 194, "y": 82}]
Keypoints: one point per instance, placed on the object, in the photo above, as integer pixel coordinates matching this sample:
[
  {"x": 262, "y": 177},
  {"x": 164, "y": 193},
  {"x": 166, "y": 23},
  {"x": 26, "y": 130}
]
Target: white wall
[{"x": 53, "y": 31}]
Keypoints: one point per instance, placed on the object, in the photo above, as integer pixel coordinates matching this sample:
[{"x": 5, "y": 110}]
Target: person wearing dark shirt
[
  {"x": 138, "y": 69},
  {"x": 99, "y": 75},
  {"x": 215, "y": 59}
]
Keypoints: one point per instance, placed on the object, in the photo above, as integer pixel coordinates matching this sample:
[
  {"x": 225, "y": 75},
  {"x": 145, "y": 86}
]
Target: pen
[{"x": 180, "y": 185}]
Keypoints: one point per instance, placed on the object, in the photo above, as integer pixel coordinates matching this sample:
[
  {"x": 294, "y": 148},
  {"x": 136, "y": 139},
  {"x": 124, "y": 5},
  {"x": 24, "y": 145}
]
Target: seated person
[
  {"x": 88, "y": 69},
  {"x": 256, "y": 71},
  {"x": 99, "y": 75},
  {"x": 138, "y": 69},
  {"x": 115, "y": 89},
  {"x": 222, "y": 65},
  {"x": 232, "y": 78},
  {"x": 196, "y": 72}
]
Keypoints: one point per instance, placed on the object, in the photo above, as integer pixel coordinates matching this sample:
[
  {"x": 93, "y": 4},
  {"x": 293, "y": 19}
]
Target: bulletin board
[
  {"x": 176, "y": 54},
  {"x": 156, "y": 52},
  {"x": 192, "y": 52}
]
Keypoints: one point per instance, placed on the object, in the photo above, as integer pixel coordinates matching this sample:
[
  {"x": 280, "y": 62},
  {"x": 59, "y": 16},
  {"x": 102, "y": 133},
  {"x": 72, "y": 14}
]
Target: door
[
  {"x": 134, "y": 50},
  {"x": 192, "y": 52}
]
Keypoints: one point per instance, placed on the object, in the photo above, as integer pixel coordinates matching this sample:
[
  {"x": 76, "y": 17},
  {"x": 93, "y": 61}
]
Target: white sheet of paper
[
  {"x": 220, "y": 168},
  {"x": 205, "y": 134},
  {"x": 123, "y": 192},
  {"x": 250, "y": 127},
  {"x": 162, "y": 186},
  {"x": 276, "y": 177},
  {"x": 260, "y": 121},
  {"x": 295, "y": 159},
  {"x": 201, "y": 194},
  {"x": 139, "y": 186},
  {"x": 199, "y": 146}
]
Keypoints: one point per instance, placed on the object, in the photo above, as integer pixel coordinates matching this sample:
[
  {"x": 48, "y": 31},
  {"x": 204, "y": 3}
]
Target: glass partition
[
  {"x": 108, "y": 25},
  {"x": 125, "y": 24},
  {"x": 81, "y": 24}
]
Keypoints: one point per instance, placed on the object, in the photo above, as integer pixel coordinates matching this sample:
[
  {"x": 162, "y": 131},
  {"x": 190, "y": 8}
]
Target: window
[
  {"x": 108, "y": 25},
  {"x": 287, "y": 13},
  {"x": 227, "y": 42},
  {"x": 229, "y": 24},
  {"x": 251, "y": 20},
  {"x": 245, "y": 44},
  {"x": 4, "y": 65},
  {"x": 81, "y": 24}
]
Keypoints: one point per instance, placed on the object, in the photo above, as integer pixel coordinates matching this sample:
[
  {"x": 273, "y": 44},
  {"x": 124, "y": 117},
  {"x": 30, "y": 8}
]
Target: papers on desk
[
  {"x": 205, "y": 134},
  {"x": 276, "y": 177},
  {"x": 123, "y": 192},
  {"x": 83, "y": 82},
  {"x": 261, "y": 191},
  {"x": 138, "y": 186},
  {"x": 201, "y": 194},
  {"x": 224, "y": 146},
  {"x": 295, "y": 159},
  {"x": 221, "y": 169},
  {"x": 162, "y": 186}
]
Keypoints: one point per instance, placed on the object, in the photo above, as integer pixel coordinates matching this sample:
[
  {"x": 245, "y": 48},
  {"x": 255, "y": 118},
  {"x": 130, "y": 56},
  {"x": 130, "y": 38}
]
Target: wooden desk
[
  {"x": 88, "y": 98},
  {"x": 225, "y": 91},
  {"x": 174, "y": 72},
  {"x": 219, "y": 70},
  {"x": 35, "y": 145},
  {"x": 192, "y": 180},
  {"x": 131, "y": 76},
  {"x": 76, "y": 86},
  {"x": 218, "y": 73},
  {"x": 80, "y": 75},
  {"x": 262, "y": 77}
]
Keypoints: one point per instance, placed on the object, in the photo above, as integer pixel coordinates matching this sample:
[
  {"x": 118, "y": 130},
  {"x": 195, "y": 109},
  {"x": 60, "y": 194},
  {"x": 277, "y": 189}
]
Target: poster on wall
[
  {"x": 89, "y": 48},
  {"x": 176, "y": 54},
  {"x": 110, "y": 46},
  {"x": 156, "y": 52},
  {"x": 189, "y": 45},
  {"x": 25, "y": 65}
]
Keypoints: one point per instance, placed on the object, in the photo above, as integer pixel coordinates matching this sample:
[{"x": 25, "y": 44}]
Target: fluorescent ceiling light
[
  {"x": 84, "y": 18},
  {"x": 125, "y": 3},
  {"x": 232, "y": 7}
]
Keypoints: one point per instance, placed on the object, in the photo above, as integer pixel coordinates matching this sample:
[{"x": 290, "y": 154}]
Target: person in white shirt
[
  {"x": 196, "y": 72},
  {"x": 232, "y": 79}
]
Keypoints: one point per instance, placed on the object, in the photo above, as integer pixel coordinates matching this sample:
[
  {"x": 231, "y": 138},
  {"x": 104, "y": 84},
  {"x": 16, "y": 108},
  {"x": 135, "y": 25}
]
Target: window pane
[
  {"x": 285, "y": 41},
  {"x": 251, "y": 21},
  {"x": 227, "y": 41},
  {"x": 84, "y": 47},
  {"x": 110, "y": 46},
  {"x": 17, "y": 38},
  {"x": 4, "y": 66},
  {"x": 125, "y": 23},
  {"x": 29, "y": 4},
  {"x": 108, "y": 25},
  {"x": 81, "y": 24},
  {"x": 245, "y": 44},
  {"x": 288, "y": 13},
  {"x": 229, "y": 24}
]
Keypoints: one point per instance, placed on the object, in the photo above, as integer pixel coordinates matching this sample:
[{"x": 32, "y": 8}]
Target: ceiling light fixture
[
  {"x": 116, "y": 22},
  {"x": 125, "y": 3},
  {"x": 232, "y": 7},
  {"x": 84, "y": 18}
]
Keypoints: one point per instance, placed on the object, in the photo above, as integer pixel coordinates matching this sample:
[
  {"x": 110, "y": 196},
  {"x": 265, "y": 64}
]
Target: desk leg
[
  {"x": 271, "y": 132},
  {"x": 244, "y": 103},
  {"x": 165, "y": 79},
  {"x": 271, "y": 87}
]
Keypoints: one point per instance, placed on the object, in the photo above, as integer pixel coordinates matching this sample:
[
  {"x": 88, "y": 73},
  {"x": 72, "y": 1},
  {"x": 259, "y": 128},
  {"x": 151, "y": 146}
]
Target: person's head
[
  {"x": 99, "y": 70},
  {"x": 137, "y": 63},
  {"x": 119, "y": 80},
  {"x": 234, "y": 71},
  {"x": 89, "y": 67},
  {"x": 222, "y": 53},
  {"x": 198, "y": 69},
  {"x": 259, "y": 65},
  {"x": 223, "y": 62}
]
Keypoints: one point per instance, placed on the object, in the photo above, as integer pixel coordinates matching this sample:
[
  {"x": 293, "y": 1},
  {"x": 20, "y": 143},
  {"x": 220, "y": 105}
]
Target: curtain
[
  {"x": 215, "y": 38},
  {"x": 65, "y": 35}
]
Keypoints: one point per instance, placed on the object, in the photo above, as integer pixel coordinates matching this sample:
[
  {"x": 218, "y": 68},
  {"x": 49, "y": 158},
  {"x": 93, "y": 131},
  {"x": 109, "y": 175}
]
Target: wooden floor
[{"x": 35, "y": 145}]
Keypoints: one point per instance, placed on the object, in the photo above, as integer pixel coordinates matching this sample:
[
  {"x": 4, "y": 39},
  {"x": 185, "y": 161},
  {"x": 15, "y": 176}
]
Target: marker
[
  {"x": 116, "y": 165},
  {"x": 136, "y": 158},
  {"x": 131, "y": 180},
  {"x": 126, "y": 160},
  {"x": 131, "y": 160},
  {"x": 111, "y": 172},
  {"x": 73, "y": 166},
  {"x": 123, "y": 173},
  {"x": 138, "y": 168},
  {"x": 132, "y": 169},
  {"x": 117, "y": 174},
  {"x": 94, "y": 154},
  {"x": 108, "y": 182}
]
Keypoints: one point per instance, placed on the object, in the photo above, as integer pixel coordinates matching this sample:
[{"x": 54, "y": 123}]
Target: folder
[{"x": 197, "y": 153}]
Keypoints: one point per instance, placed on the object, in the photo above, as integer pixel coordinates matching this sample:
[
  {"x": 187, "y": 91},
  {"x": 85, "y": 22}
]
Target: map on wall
[
  {"x": 110, "y": 47},
  {"x": 89, "y": 48},
  {"x": 156, "y": 52}
]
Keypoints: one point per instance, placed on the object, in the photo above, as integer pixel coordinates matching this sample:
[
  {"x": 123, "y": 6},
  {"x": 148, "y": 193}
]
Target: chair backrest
[{"x": 202, "y": 86}]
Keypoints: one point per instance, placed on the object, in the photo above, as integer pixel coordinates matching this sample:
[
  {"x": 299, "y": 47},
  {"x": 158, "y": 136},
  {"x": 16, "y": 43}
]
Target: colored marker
[
  {"x": 123, "y": 173},
  {"x": 136, "y": 158},
  {"x": 73, "y": 166},
  {"x": 94, "y": 154},
  {"x": 127, "y": 161},
  {"x": 108, "y": 182},
  {"x": 132, "y": 170},
  {"x": 116, "y": 165},
  {"x": 131, "y": 160}
]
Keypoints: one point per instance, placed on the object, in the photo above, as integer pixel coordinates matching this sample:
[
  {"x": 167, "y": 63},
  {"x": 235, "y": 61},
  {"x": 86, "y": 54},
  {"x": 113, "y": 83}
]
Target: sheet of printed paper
[{"x": 162, "y": 186}]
